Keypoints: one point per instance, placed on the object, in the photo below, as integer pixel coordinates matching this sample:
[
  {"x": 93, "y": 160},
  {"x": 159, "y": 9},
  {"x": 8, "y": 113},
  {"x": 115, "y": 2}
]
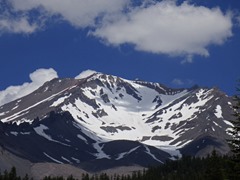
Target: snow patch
[
  {"x": 82, "y": 138},
  {"x": 15, "y": 107},
  {"x": 67, "y": 140},
  {"x": 65, "y": 159},
  {"x": 213, "y": 129},
  {"x": 23, "y": 120},
  {"x": 228, "y": 123},
  {"x": 172, "y": 150},
  {"x": 100, "y": 154},
  {"x": 152, "y": 155},
  {"x": 218, "y": 113},
  {"x": 46, "y": 88},
  {"x": 59, "y": 162},
  {"x": 217, "y": 124},
  {"x": 76, "y": 160},
  {"x": 25, "y": 111},
  {"x": 40, "y": 131},
  {"x": 122, "y": 155},
  {"x": 14, "y": 133},
  {"x": 229, "y": 131},
  {"x": 25, "y": 133},
  {"x": 2, "y": 114},
  {"x": 59, "y": 101}
]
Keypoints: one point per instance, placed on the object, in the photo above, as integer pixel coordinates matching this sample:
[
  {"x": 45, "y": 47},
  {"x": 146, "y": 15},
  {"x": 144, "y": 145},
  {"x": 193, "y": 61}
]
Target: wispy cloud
[
  {"x": 79, "y": 13},
  {"x": 188, "y": 59},
  {"x": 38, "y": 78},
  {"x": 238, "y": 20},
  {"x": 20, "y": 25},
  {"x": 163, "y": 27},
  {"x": 177, "y": 82},
  {"x": 182, "y": 82},
  {"x": 12, "y": 22}
]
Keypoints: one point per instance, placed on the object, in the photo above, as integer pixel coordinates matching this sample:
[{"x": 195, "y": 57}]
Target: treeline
[
  {"x": 187, "y": 168},
  {"x": 190, "y": 168},
  {"x": 12, "y": 175},
  {"x": 213, "y": 167}
]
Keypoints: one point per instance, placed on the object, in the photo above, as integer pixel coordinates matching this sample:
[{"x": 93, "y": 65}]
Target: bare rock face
[{"x": 102, "y": 121}]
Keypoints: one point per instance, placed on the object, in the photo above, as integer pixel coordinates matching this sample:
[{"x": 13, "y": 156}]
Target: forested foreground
[{"x": 211, "y": 168}]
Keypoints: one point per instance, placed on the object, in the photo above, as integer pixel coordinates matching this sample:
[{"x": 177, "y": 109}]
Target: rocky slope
[{"x": 104, "y": 121}]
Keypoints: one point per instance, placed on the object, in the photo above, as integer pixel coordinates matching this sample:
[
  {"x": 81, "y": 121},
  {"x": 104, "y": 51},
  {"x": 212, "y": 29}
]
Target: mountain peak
[{"x": 100, "y": 109}]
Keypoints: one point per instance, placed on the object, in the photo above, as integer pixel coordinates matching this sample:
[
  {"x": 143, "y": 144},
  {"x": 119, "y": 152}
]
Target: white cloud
[
  {"x": 188, "y": 59},
  {"x": 20, "y": 25},
  {"x": 167, "y": 28},
  {"x": 80, "y": 13},
  {"x": 181, "y": 82},
  {"x": 85, "y": 74},
  {"x": 38, "y": 78},
  {"x": 160, "y": 27},
  {"x": 177, "y": 82}
]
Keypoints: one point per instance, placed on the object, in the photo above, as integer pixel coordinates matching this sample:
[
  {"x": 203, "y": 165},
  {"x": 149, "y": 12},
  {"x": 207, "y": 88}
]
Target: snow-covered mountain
[{"x": 102, "y": 121}]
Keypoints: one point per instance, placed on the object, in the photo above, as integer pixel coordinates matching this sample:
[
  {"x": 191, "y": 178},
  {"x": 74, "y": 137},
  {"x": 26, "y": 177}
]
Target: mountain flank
[{"x": 102, "y": 122}]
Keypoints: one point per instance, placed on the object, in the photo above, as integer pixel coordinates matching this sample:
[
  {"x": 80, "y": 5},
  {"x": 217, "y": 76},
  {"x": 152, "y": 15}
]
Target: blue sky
[{"x": 173, "y": 42}]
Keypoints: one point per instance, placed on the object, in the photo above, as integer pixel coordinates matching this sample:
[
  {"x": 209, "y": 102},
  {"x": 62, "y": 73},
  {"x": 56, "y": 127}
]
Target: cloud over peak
[
  {"x": 85, "y": 74},
  {"x": 38, "y": 78}
]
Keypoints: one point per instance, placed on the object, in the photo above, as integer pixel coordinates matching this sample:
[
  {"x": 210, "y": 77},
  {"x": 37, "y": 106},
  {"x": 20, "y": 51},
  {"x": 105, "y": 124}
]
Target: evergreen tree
[
  {"x": 12, "y": 174},
  {"x": 214, "y": 167},
  {"x": 26, "y": 177},
  {"x": 70, "y": 177},
  {"x": 235, "y": 132},
  {"x": 85, "y": 177}
]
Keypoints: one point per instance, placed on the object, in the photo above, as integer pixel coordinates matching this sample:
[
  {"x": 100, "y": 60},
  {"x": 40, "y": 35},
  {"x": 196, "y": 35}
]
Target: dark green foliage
[
  {"x": 53, "y": 178},
  {"x": 12, "y": 175},
  {"x": 210, "y": 168}
]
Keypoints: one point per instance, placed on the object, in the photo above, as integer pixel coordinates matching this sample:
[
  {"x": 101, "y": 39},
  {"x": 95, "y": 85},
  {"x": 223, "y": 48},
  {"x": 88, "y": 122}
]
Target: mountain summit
[{"x": 101, "y": 121}]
